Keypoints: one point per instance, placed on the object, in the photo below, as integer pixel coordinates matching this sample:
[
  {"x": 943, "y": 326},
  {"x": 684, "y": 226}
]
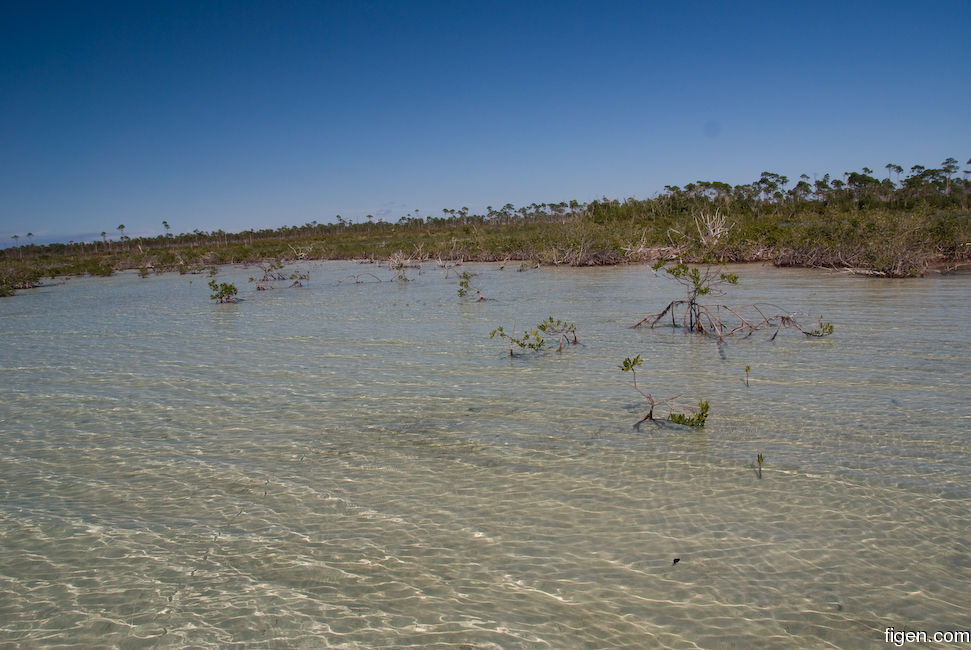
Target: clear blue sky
[{"x": 237, "y": 115}]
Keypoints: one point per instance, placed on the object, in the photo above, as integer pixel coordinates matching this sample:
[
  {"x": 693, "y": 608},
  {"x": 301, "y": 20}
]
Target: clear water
[{"x": 360, "y": 466}]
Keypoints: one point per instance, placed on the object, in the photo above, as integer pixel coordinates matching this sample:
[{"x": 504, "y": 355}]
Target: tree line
[{"x": 893, "y": 223}]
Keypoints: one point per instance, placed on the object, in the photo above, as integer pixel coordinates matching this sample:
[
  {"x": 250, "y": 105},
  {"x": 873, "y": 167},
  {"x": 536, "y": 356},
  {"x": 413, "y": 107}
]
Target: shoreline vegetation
[{"x": 860, "y": 224}]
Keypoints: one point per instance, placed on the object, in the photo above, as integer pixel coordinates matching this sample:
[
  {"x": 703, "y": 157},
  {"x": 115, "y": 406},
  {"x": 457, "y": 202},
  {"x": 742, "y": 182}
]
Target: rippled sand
[{"x": 361, "y": 467}]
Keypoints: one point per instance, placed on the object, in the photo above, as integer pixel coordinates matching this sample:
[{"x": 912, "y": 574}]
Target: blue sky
[{"x": 237, "y": 115}]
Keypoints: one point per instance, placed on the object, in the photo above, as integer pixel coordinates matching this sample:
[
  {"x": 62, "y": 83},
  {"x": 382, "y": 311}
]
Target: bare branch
[{"x": 711, "y": 227}]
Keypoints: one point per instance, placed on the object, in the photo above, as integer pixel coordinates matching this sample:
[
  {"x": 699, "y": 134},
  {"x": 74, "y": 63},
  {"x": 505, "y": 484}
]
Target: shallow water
[{"x": 358, "y": 465}]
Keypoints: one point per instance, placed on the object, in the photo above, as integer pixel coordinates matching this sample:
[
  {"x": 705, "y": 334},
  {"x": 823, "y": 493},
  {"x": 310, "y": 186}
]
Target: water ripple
[{"x": 361, "y": 467}]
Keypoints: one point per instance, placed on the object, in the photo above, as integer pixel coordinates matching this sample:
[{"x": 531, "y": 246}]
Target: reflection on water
[{"x": 358, "y": 465}]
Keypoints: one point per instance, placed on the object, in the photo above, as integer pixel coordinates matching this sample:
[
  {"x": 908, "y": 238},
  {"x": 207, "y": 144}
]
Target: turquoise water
[{"x": 358, "y": 465}]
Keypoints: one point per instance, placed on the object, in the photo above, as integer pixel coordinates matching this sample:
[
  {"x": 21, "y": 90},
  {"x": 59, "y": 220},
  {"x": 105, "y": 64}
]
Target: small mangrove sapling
[
  {"x": 467, "y": 289},
  {"x": 566, "y": 331},
  {"x": 299, "y": 277},
  {"x": 630, "y": 365},
  {"x": 698, "y": 419},
  {"x": 399, "y": 263},
  {"x": 271, "y": 271},
  {"x": 533, "y": 339},
  {"x": 718, "y": 320},
  {"x": 223, "y": 291},
  {"x": 530, "y": 339}
]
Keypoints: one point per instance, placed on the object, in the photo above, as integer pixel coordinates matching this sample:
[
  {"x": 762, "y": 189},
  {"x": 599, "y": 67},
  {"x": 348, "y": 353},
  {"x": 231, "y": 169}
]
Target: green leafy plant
[
  {"x": 865, "y": 225},
  {"x": 272, "y": 270},
  {"x": 748, "y": 369},
  {"x": 467, "y": 289},
  {"x": 695, "y": 420},
  {"x": 758, "y": 461},
  {"x": 299, "y": 277},
  {"x": 719, "y": 320},
  {"x": 530, "y": 340},
  {"x": 630, "y": 365},
  {"x": 695, "y": 316},
  {"x": 533, "y": 339},
  {"x": 780, "y": 321},
  {"x": 824, "y": 329},
  {"x": 223, "y": 292},
  {"x": 567, "y": 332}
]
